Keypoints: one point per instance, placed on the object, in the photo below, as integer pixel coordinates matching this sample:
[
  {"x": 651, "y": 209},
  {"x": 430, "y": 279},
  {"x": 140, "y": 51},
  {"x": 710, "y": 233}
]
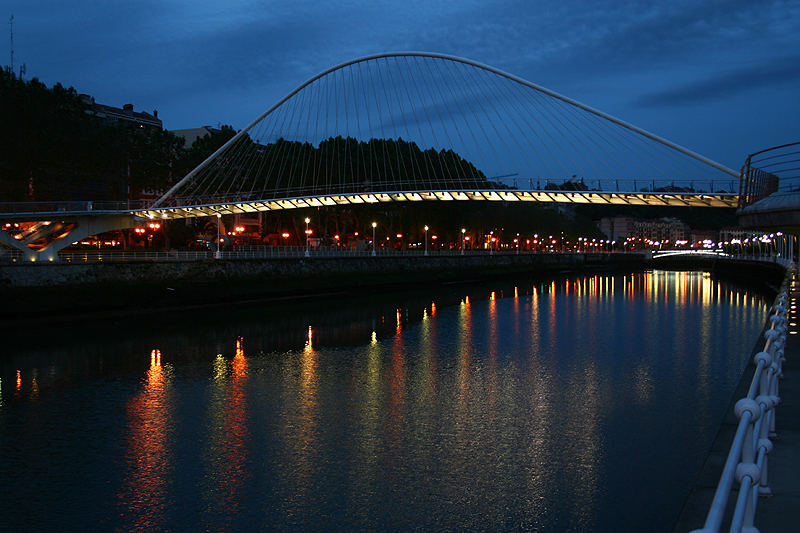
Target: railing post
[{"x": 747, "y": 471}]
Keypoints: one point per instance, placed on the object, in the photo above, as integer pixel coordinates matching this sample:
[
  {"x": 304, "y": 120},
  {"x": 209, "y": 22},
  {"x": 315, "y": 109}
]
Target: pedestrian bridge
[{"x": 411, "y": 127}]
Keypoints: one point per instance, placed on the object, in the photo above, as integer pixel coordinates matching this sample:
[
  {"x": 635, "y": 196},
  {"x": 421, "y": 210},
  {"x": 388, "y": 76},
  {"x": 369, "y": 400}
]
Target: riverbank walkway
[{"x": 779, "y": 512}]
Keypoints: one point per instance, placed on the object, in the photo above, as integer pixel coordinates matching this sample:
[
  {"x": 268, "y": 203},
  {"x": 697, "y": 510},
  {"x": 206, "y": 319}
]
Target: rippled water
[{"x": 581, "y": 404}]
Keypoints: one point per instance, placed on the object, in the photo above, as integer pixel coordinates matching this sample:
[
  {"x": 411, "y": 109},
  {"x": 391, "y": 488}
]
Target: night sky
[{"x": 720, "y": 77}]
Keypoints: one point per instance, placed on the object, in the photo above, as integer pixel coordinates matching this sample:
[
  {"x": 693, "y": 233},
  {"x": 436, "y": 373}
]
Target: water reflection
[
  {"x": 507, "y": 406},
  {"x": 226, "y": 458},
  {"x": 301, "y": 439},
  {"x": 144, "y": 499}
]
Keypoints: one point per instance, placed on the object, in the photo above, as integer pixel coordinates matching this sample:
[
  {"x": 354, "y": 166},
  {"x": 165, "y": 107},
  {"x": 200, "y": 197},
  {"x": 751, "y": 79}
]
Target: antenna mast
[{"x": 11, "y": 24}]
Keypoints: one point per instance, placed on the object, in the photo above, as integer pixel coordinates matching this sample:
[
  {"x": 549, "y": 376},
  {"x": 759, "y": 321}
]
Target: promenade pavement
[{"x": 779, "y": 512}]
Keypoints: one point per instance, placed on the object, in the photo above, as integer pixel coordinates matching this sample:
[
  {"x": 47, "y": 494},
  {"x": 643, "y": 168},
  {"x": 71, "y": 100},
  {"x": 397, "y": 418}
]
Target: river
[{"x": 582, "y": 403}]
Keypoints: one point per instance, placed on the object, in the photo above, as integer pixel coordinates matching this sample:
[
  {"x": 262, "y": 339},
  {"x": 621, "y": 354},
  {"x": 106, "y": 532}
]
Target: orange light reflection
[{"x": 144, "y": 498}]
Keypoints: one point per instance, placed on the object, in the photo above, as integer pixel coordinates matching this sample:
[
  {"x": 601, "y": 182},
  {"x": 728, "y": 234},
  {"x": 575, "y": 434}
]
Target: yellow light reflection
[
  {"x": 220, "y": 369},
  {"x": 370, "y": 434},
  {"x": 34, "y": 385},
  {"x": 397, "y": 384},
  {"x": 228, "y": 432},
  {"x": 643, "y": 383}
]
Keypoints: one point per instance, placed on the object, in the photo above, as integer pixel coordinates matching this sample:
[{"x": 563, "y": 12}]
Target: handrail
[{"x": 747, "y": 458}]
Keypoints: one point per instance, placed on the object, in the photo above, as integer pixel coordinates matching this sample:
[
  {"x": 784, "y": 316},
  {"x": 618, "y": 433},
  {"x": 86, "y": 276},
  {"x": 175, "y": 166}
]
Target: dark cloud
[
  {"x": 725, "y": 84},
  {"x": 199, "y": 61}
]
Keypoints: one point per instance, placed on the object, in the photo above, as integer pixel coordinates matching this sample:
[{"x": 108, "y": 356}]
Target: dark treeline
[
  {"x": 53, "y": 148},
  {"x": 284, "y": 168}
]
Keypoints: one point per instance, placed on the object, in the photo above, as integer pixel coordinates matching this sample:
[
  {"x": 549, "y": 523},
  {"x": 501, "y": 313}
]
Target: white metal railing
[
  {"x": 267, "y": 252},
  {"x": 759, "y": 258},
  {"x": 747, "y": 458},
  {"x": 263, "y": 252}
]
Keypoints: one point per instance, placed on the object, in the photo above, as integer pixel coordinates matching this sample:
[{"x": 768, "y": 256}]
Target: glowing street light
[
  {"x": 307, "y": 234},
  {"x": 218, "y": 255},
  {"x": 374, "y": 225},
  {"x": 426, "y": 240},
  {"x": 463, "y": 231}
]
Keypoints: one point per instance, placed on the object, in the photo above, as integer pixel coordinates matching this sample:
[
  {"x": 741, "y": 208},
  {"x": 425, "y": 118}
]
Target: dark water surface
[{"x": 583, "y": 404}]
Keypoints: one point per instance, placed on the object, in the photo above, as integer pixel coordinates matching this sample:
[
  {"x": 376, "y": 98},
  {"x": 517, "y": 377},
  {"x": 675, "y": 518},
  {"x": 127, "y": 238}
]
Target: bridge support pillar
[{"x": 82, "y": 227}]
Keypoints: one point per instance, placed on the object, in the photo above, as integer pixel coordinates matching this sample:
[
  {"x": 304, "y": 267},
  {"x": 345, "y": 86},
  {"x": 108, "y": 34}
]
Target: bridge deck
[
  {"x": 58, "y": 211},
  {"x": 567, "y": 197}
]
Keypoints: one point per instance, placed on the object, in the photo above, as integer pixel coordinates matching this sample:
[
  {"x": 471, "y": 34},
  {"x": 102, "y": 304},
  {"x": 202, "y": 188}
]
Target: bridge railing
[
  {"x": 747, "y": 459},
  {"x": 72, "y": 206},
  {"x": 775, "y": 169},
  {"x": 267, "y": 252},
  {"x": 271, "y": 252},
  {"x": 552, "y": 185}
]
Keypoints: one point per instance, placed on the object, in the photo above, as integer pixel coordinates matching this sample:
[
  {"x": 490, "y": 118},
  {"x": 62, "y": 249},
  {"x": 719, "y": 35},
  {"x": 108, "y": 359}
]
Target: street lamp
[
  {"x": 307, "y": 234},
  {"x": 374, "y": 225},
  {"x": 426, "y": 240},
  {"x": 218, "y": 255},
  {"x": 463, "y": 231}
]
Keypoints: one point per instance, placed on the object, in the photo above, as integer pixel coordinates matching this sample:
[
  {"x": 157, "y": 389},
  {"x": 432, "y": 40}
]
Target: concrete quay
[{"x": 780, "y": 511}]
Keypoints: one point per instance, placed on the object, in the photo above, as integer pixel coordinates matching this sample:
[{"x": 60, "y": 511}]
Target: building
[
  {"x": 616, "y": 228},
  {"x": 662, "y": 230},
  {"x": 190, "y": 135},
  {"x": 126, "y": 114}
]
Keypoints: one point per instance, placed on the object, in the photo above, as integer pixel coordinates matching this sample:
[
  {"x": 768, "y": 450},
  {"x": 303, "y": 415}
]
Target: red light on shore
[
  {"x": 399, "y": 235},
  {"x": 309, "y": 231},
  {"x": 285, "y": 235},
  {"x": 466, "y": 238},
  {"x": 336, "y": 237},
  {"x": 434, "y": 237}
]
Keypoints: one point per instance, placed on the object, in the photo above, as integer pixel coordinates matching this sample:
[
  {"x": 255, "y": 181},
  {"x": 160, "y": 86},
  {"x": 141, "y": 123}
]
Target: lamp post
[
  {"x": 426, "y": 240},
  {"x": 463, "y": 231},
  {"x": 307, "y": 221},
  {"x": 374, "y": 225},
  {"x": 217, "y": 254}
]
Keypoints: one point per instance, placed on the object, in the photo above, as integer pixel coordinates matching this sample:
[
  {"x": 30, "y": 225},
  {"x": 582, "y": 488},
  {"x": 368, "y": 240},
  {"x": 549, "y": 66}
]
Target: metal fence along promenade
[
  {"x": 265, "y": 252},
  {"x": 747, "y": 460}
]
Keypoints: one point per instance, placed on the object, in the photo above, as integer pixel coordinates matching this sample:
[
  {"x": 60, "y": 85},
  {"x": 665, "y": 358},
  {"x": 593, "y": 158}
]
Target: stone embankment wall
[
  {"x": 68, "y": 291},
  {"x": 389, "y": 268}
]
